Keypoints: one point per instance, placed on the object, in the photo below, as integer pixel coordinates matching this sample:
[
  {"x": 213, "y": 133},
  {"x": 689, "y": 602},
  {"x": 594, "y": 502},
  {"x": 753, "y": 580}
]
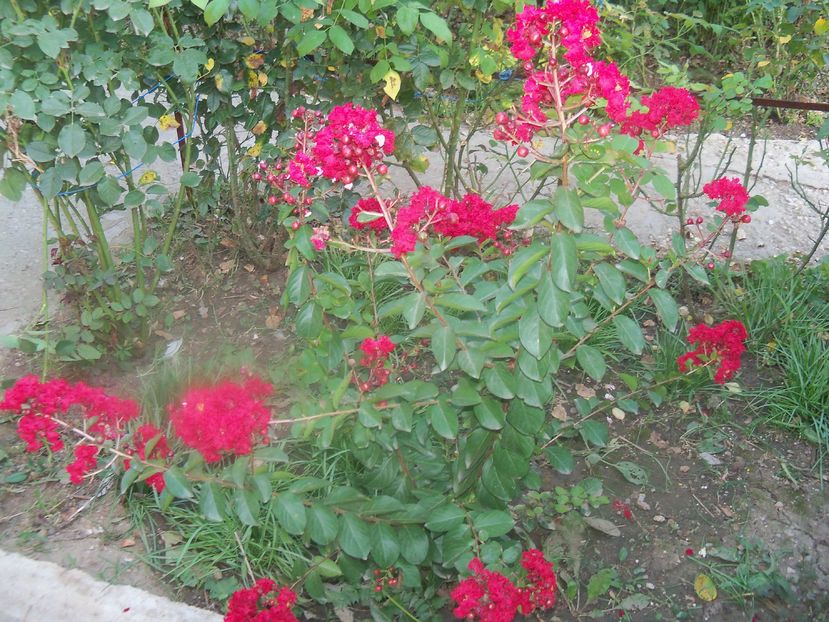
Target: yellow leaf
[
  {"x": 821, "y": 26},
  {"x": 254, "y": 61},
  {"x": 208, "y": 66},
  {"x": 167, "y": 121},
  {"x": 148, "y": 178},
  {"x": 259, "y": 128},
  {"x": 220, "y": 83},
  {"x": 705, "y": 588},
  {"x": 248, "y": 41},
  {"x": 784, "y": 40},
  {"x": 263, "y": 78},
  {"x": 392, "y": 79},
  {"x": 728, "y": 125},
  {"x": 763, "y": 63},
  {"x": 380, "y": 31},
  {"x": 306, "y": 14},
  {"x": 255, "y": 151},
  {"x": 483, "y": 78},
  {"x": 474, "y": 59},
  {"x": 253, "y": 79}
]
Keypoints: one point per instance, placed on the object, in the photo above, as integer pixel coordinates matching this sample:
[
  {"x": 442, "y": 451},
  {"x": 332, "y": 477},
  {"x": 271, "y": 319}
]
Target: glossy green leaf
[
  {"x": 246, "y": 506},
  {"x": 471, "y": 360},
  {"x": 414, "y": 544},
  {"x": 553, "y": 303},
  {"x": 290, "y": 512},
  {"x": 436, "y": 25},
  {"x": 311, "y": 40},
  {"x": 460, "y": 302},
  {"x": 72, "y": 139},
  {"x": 492, "y": 523},
  {"x": 627, "y": 242},
  {"x": 212, "y": 503},
  {"x": 666, "y": 307},
  {"x": 523, "y": 261},
  {"x": 595, "y": 433},
  {"x": 500, "y": 381},
  {"x": 564, "y": 257},
  {"x": 321, "y": 525},
  {"x": 490, "y": 414},
  {"x": 568, "y": 208},
  {"x": 611, "y": 280},
  {"x": 591, "y": 361},
  {"x": 215, "y": 10},
  {"x": 444, "y": 420},
  {"x": 354, "y": 536},
  {"x": 443, "y": 346},
  {"x": 560, "y": 458},
  {"x": 407, "y": 19},
  {"x": 385, "y": 549},
  {"x": 531, "y": 213},
  {"x": 535, "y": 335},
  {"x": 445, "y": 517},
  {"x": 629, "y": 333},
  {"x": 339, "y": 37},
  {"x": 176, "y": 482}
]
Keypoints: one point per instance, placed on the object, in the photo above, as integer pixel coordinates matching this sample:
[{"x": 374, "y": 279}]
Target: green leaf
[
  {"x": 628, "y": 243},
  {"x": 308, "y": 322},
  {"x": 298, "y": 286},
  {"x": 212, "y": 503},
  {"x": 321, "y": 525},
  {"x": 129, "y": 477},
  {"x": 443, "y": 346},
  {"x": 500, "y": 382},
  {"x": 271, "y": 454},
  {"x": 290, "y": 512},
  {"x": 88, "y": 352},
  {"x": 611, "y": 280},
  {"x": 72, "y": 139},
  {"x": 191, "y": 179},
  {"x": 339, "y": 37},
  {"x": 246, "y": 506},
  {"x": 13, "y": 184},
  {"x": 143, "y": 21},
  {"x": 526, "y": 419},
  {"x": 591, "y": 361},
  {"x": 600, "y": 583},
  {"x": 249, "y": 8},
  {"x": 444, "y": 420},
  {"x": 698, "y": 273},
  {"x": 561, "y": 459},
  {"x": 595, "y": 433},
  {"x": 355, "y": 536},
  {"x": 407, "y": 19},
  {"x": 490, "y": 414},
  {"x": 492, "y": 523},
  {"x": 413, "y": 311},
  {"x": 553, "y": 303},
  {"x": 471, "y": 360},
  {"x": 92, "y": 172},
  {"x": 311, "y": 40},
  {"x": 568, "y": 208},
  {"x": 629, "y": 333},
  {"x": 384, "y": 546},
  {"x": 437, "y": 25},
  {"x": 632, "y": 472},
  {"x": 664, "y": 186},
  {"x": 460, "y": 302},
  {"x": 215, "y": 10},
  {"x": 523, "y": 261},
  {"x": 414, "y": 544},
  {"x": 535, "y": 335},
  {"x": 355, "y": 18},
  {"x": 510, "y": 464},
  {"x": 445, "y": 517},
  {"x": 532, "y": 213},
  {"x": 23, "y": 105},
  {"x": 565, "y": 260},
  {"x": 665, "y": 307},
  {"x": 176, "y": 482}
]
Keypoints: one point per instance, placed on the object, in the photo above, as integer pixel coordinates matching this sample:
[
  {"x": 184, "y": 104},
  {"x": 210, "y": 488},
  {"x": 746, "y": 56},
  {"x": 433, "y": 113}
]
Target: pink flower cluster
[
  {"x": 470, "y": 216},
  {"x": 375, "y": 354},
  {"x": 86, "y": 459},
  {"x": 160, "y": 451},
  {"x": 724, "y": 343},
  {"x": 351, "y": 141},
  {"x": 491, "y": 597},
  {"x": 570, "y": 79},
  {"x": 104, "y": 415},
  {"x": 371, "y": 207},
  {"x": 264, "y": 602},
  {"x": 732, "y": 194},
  {"x": 224, "y": 418}
]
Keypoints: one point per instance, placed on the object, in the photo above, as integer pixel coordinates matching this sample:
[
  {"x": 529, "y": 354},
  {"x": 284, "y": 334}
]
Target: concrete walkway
[{"x": 36, "y": 591}]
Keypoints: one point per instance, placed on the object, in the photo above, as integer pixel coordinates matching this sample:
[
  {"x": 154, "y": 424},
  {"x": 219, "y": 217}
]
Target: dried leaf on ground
[{"x": 585, "y": 391}]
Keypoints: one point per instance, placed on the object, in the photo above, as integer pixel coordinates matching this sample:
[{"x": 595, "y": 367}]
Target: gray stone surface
[{"x": 36, "y": 591}]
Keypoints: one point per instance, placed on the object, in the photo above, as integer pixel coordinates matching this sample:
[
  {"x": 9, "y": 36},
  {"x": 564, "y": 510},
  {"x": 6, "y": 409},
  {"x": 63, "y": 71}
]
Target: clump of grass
[{"x": 786, "y": 313}]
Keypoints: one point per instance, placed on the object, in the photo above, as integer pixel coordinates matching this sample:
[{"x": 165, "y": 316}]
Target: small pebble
[{"x": 659, "y": 518}]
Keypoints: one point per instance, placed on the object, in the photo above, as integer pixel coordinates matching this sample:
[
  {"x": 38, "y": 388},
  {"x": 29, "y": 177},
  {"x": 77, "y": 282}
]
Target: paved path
[{"x": 36, "y": 591}]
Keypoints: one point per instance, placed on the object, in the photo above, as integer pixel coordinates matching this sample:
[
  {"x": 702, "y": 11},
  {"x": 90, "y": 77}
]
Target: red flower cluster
[
  {"x": 86, "y": 459},
  {"x": 724, "y": 343},
  {"x": 159, "y": 451},
  {"x": 669, "y": 107},
  {"x": 226, "y": 418},
  {"x": 104, "y": 415},
  {"x": 264, "y": 602},
  {"x": 350, "y": 141},
  {"x": 469, "y": 216},
  {"x": 375, "y": 354},
  {"x": 732, "y": 194},
  {"x": 623, "y": 509},
  {"x": 491, "y": 597},
  {"x": 571, "y": 79},
  {"x": 370, "y": 206}
]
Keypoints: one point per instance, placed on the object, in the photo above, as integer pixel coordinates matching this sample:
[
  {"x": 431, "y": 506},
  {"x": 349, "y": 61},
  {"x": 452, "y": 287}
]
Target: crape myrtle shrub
[{"x": 435, "y": 354}]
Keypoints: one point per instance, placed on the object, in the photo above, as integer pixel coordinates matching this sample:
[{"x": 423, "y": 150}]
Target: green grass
[{"x": 786, "y": 313}]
